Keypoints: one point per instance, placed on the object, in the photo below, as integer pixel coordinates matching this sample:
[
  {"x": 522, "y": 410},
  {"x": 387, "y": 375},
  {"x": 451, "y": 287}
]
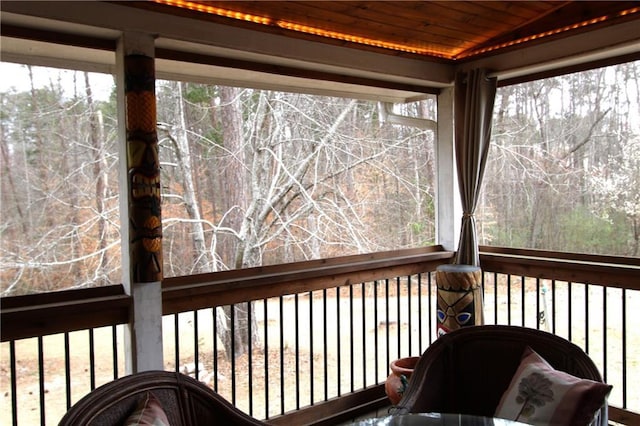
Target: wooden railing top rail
[
  {"x": 622, "y": 416},
  {"x": 610, "y": 271},
  {"x": 63, "y": 316},
  {"x": 242, "y": 285},
  {"x": 273, "y": 272},
  {"x": 548, "y": 254}
]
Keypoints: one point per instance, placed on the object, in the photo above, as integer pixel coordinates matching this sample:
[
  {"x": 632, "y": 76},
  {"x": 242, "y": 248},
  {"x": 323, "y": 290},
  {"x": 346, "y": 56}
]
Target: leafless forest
[{"x": 253, "y": 177}]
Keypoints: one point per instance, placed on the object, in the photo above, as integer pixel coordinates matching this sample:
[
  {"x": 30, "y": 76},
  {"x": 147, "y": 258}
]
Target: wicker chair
[
  {"x": 185, "y": 400},
  {"x": 467, "y": 370}
]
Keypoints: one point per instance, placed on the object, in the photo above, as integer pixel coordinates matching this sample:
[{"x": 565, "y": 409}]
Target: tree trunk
[
  {"x": 100, "y": 178},
  {"x": 239, "y": 323},
  {"x": 185, "y": 164}
]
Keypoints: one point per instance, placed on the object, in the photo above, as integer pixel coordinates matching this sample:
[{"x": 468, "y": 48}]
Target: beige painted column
[
  {"x": 448, "y": 205},
  {"x": 140, "y": 215}
]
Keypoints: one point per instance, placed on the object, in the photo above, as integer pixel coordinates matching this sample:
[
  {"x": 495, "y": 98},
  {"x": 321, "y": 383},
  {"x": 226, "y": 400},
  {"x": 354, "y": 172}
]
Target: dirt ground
[{"x": 307, "y": 372}]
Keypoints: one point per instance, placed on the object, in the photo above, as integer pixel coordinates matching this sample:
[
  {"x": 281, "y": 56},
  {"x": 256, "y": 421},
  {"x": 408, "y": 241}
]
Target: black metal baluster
[
  {"x": 92, "y": 360},
  {"x": 281, "y": 302},
  {"x": 352, "y": 337},
  {"x": 14, "y": 381},
  {"x": 364, "y": 337},
  {"x": 508, "y": 299},
  {"x": 586, "y": 318},
  {"x": 624, "y": 348},
  {"x": 114, "y": 345},
  {"x": 523, "y": 301},
  {"x": 398, "y": 311},
  {"x": 386, "y": 305},
  {"x": 215, "y": 348},
  {"x": 376, "y": 323},
  {"x": 250, "y": 315},
  {"x": 409, "y": 322},
  {"x": 325, "y": 339},
  {"x": 553, "y": 306},
  {"x": 67, "y": 369},
  {"x": 482, "y": 286},
  {"x": 266, "y": 359},
  {"x": 196, "y": 354},
  {"x": 311, "y": 361},
  {"x": 297, "y": 347},
  {"x": 232, "y": 356},
  {"x": 420, "y": 316},
  {"x": 604, "y": 334},
  {"x": 541, "y": 316},
  {"x": 176, "y": 343},
  {"x": 41, "y": 379},
  {"x": 339, "y": 346}
]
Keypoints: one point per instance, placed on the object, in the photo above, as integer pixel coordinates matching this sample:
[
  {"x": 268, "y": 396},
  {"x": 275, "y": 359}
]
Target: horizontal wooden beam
[
  {"x": 579, "y": 257},
  {"x": 625, "y": 417},
  {"x": 608, "y": 271},
  {"x": 64, "y": 316},
  {"x": 243, "y": 285},
  {"x": 290, "y": 71}
]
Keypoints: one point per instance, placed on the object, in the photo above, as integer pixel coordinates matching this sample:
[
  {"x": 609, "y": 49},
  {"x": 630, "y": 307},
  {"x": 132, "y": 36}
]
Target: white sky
[{"x": 16, "y": 76}]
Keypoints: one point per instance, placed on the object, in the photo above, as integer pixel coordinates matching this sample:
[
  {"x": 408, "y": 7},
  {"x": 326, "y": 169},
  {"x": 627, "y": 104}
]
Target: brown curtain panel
[{"x": 473, "y": 110}]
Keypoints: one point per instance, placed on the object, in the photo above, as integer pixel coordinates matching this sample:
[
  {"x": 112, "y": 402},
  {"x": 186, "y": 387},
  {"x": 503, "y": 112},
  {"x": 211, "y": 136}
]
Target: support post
[
  {"x": 448, "y": 206},
  {"x": 141, "y": 225}
]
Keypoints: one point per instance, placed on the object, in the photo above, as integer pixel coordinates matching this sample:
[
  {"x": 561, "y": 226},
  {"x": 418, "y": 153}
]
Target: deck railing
[
  {"x": 321, "y": 335},
  {"x": 324, "y": 329},
  {"x": 590, "y": 300}
]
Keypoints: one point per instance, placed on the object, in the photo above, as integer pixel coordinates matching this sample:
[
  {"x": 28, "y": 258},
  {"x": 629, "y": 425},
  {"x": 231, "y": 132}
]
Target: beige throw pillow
[
  {"x": 149, "y": 412},
  {"x": 541, "y": 395}
]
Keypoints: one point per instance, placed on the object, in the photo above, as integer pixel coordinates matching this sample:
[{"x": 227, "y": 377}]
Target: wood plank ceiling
[{"x": 449, "y": 30}]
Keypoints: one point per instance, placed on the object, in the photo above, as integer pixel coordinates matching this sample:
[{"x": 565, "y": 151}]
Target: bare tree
[
  {"x": 554, "y": 141},
  {"x": 292, "y": 175},
  {"x": 176, "y": 133},
  {"x": 64, "y": 232}
]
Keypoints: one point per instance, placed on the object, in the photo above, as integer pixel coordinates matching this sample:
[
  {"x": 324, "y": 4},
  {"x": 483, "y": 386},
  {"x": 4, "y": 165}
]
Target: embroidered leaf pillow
[{"x": 541, "y": 395}]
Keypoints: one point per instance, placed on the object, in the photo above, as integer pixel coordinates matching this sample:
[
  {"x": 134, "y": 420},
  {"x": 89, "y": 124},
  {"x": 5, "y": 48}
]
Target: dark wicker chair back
[
  {"x": 467, "y": 370},
  {"x": 185, "y": 400}
]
